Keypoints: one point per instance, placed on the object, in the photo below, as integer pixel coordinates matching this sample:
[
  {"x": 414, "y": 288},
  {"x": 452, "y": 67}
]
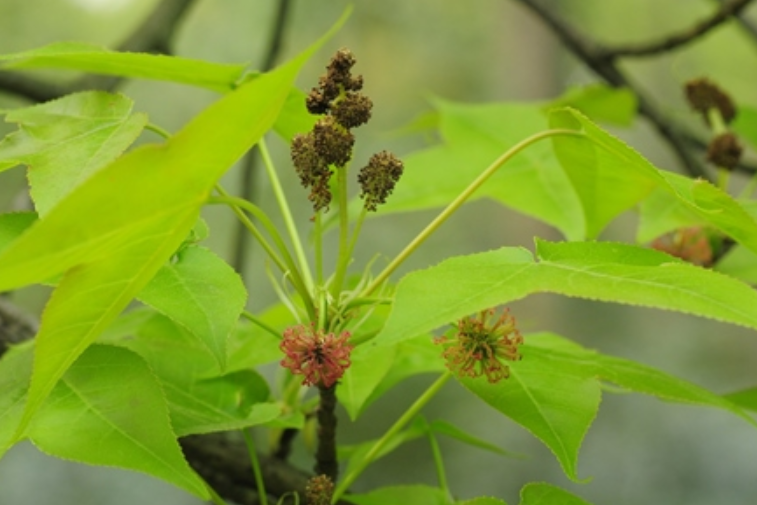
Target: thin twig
[
  {"x": 591, "y": 53},
  {"x": 670, "y": 42},
  {"x": 153, "y": 35}
]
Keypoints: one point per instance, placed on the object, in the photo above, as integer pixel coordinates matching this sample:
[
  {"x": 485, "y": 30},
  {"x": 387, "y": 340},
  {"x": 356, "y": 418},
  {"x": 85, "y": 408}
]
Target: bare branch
[
  {"x": 592, "y": 54},
  {"x": 723, "y": 14},
  {"x": 153, "y": 35}
]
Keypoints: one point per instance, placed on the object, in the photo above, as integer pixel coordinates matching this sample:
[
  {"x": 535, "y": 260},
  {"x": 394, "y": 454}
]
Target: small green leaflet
[
  {"x": 201, "y": 292},
  {"x": 65, "y": 141},
  {"x": 200, "y": 399}
]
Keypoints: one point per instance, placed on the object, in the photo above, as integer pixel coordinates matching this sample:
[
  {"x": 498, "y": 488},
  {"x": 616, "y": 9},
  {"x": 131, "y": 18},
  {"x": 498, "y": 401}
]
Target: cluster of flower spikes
[
  {"x": 338, "y": 99},
  {"x": 481, "y": 345},
  {"x": 320, "y": 357},
  {"x": 724, "y": 149}
]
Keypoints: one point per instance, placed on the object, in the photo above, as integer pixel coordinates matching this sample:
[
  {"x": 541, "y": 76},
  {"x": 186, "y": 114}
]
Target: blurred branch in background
[
  {"x": 153, "y": 35},
  {"x": 602, "y": 60},
  {"x": 249, "y": 164}
]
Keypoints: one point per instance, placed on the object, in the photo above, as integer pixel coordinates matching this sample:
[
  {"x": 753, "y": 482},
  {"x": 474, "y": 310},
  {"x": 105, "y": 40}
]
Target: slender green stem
[
  {"x": 157, "y": 129},
  {"x": 724, "y": 175},
  {"x": 717, "y": 124},
  {"x": 237, "y": 205},
  {"x": 259, "y": 483},
  {"x": 375, "y": 451},
  {"x": 260, "y": 324},
  {"x": 318, "y": 246},
  {"x": 286, "y": 213},
  {"x": 343, "y": 259},
  {"x": 458, "y": 202},
  {"x": 285, "y": 264},
  {"x": 438, "y": 462},
  {"x": 356, "y": 232}
]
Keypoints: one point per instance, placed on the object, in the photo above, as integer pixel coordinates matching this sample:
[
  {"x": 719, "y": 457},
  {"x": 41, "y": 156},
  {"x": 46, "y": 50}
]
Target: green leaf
[
  {"x": 483, "y": 500},
  {"x": 412, "y": 357},
  {"x": 473, "y": 137},
  {"x": 541, "y": 493},
  {"x": 231, "y": 402},
  {"x": 741, "y": 263},
  {"x": 201, "y": 292},
  {"x": 356, "y": 453},
  {"x": 107, "y": 410},
  {"x": 99, "y": 60},
  {"x": 746, "y": 398},
  {"x": 294, "y": 117},
  {"x": 600, "y": 102},
  {"x": 15, "y": 371},
  {"x": 113, "y": 233},
  {"x": 199, "y": 399},
  {"x": 594, "y": 270},
  {"x": 555, "y": 399},
  {"x": 415, "y": 495},
  {"x": 64, "y": 141},
  {"x": 716, "y": 208},
  {"x": 608, "y": 175},
  {"x": 635, "y": 377},
  {"x": 663, "y": 211},
  {"x": 368, "y": 367},
  {"x": 445, "y": 428},
  {"x": 14, "y": 224}
]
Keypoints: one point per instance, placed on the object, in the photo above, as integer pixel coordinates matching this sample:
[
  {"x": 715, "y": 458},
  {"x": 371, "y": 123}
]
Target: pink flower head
[
  {"x": 321, "y": 358},
  {"x": 481, "y": 344}
]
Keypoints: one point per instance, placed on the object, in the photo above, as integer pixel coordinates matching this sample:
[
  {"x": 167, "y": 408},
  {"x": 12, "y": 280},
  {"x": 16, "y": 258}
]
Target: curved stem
[
  {"x": 157, "y": 129},
  {"x": 458, "y": 202},
  {"x": 375, "y": 451},
  {"x": 260, "y": 324},
  {"x": 255, "y": 462},
  {"x": 438, "y": 462},
  {"x": 236, "y": 206},
  {"x": 318, "y": 247},
  {"x": 286, "y": 213},
  {"x": 285, "y": 264}
]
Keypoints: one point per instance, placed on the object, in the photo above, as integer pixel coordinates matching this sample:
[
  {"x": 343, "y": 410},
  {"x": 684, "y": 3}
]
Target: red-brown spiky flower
[
  {"x": 481, "y": 345},
  {"x": 690, "y": 244},
  {"x": 320, "y": 357}
]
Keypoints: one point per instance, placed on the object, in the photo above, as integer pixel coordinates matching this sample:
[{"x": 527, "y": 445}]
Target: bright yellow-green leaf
[
  {"x": 99, "y": 60},
  {"x": 600, "y": 102},
  {"x": 65, "y": 141}
]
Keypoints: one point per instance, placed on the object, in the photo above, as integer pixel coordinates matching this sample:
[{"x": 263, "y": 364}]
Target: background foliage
[{"x": 494, "y": 51}]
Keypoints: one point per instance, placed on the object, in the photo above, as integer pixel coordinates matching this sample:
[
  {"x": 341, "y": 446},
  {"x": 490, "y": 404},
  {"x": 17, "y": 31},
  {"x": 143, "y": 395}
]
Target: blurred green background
[{"x": 640, "y": 450}]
